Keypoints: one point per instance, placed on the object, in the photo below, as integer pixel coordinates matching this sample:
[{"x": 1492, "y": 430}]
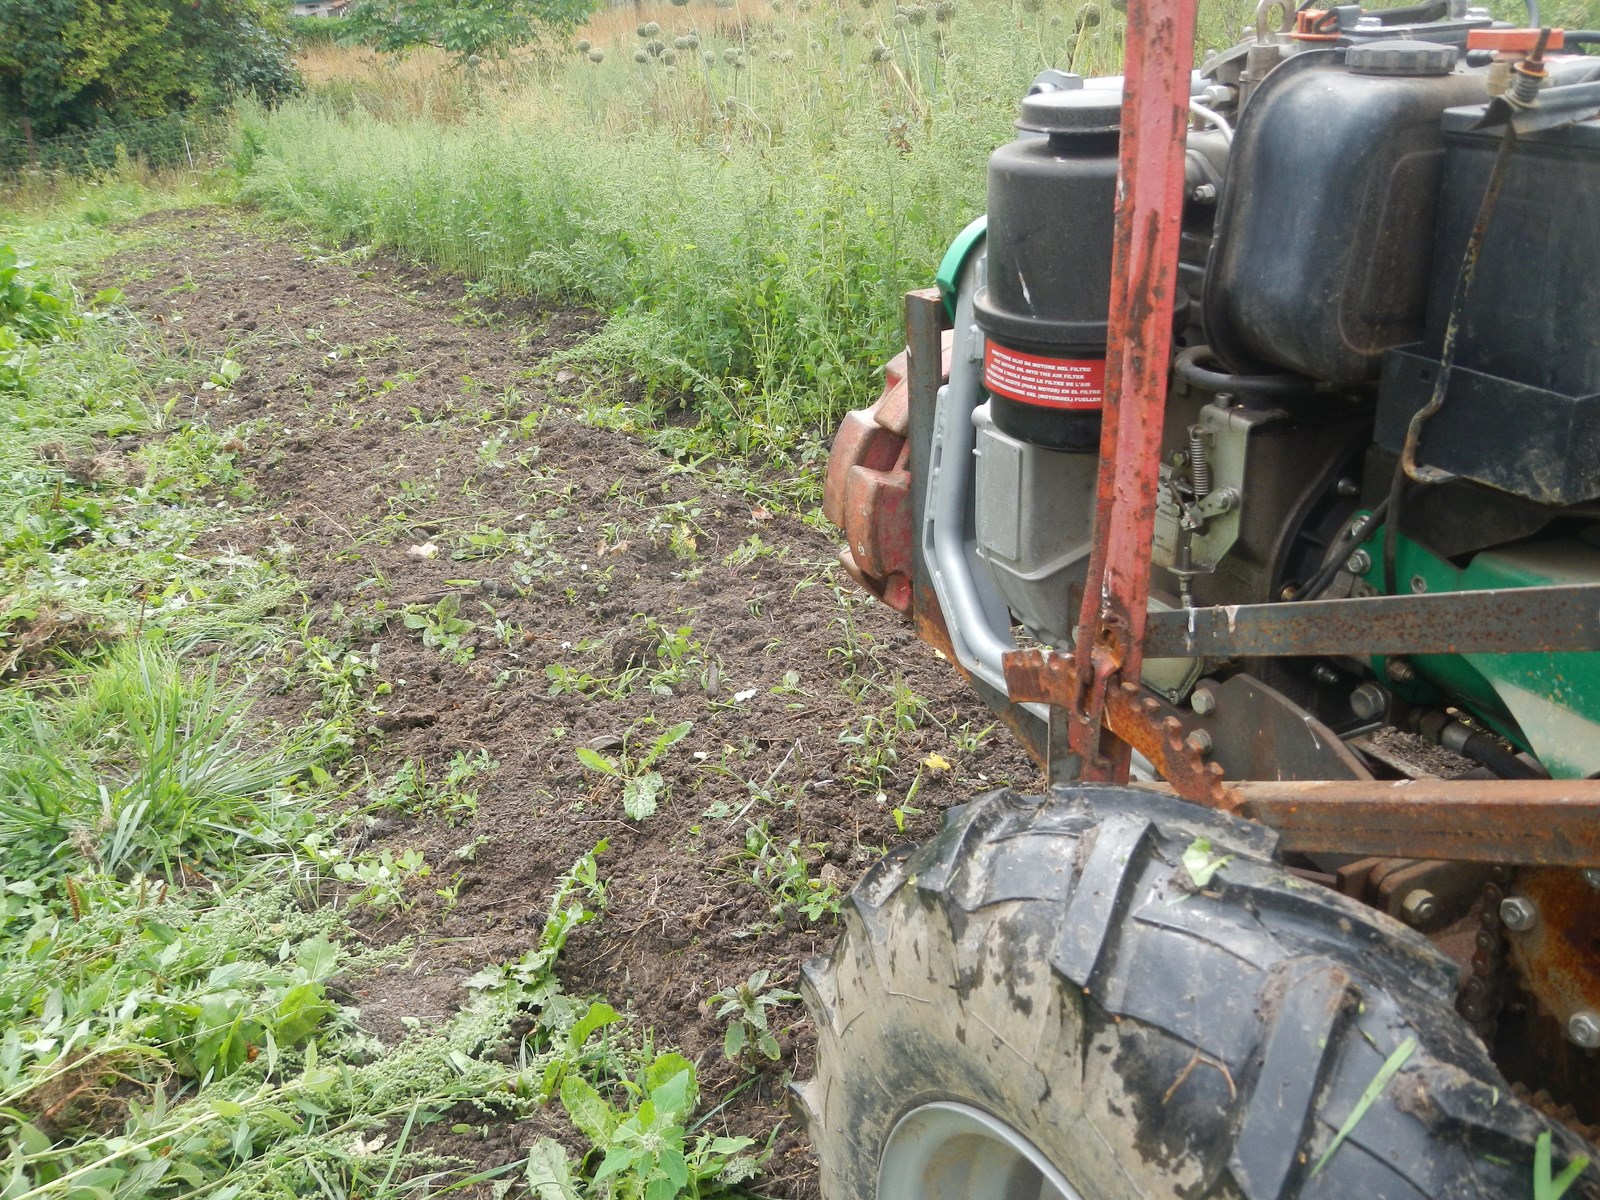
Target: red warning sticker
[{"x": 1074, "y": 383}]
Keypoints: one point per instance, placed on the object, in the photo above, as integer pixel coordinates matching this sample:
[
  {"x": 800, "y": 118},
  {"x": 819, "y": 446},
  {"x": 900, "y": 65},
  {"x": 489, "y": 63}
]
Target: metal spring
[{"x": 1199, "y": 465}]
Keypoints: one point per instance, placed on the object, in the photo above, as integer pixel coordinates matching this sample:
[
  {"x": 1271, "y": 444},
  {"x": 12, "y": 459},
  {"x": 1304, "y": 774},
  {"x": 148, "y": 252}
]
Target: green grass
[
  {"x": 176, "y": 899},
  {"x": 748, "y": 189},
  {"x": 751, "y": 222}
]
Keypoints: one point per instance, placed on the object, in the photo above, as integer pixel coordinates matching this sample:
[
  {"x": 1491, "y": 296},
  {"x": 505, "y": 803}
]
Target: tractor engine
[
  {"x": 1386, "y": 381},
  {"x": 1333, "y": 291}
]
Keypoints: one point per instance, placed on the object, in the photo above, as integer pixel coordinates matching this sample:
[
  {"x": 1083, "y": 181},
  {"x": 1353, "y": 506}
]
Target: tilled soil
[{"x": 420, "y": 467}]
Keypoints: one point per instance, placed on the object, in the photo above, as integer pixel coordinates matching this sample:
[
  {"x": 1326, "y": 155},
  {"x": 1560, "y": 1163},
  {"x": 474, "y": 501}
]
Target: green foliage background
[{"x": 70, "y": 65}]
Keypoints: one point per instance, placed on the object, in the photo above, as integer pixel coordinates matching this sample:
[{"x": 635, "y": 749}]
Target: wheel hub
[{"x": 948, "y": 1151}]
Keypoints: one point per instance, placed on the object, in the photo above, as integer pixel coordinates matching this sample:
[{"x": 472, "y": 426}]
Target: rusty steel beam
[
  {"x": 1144, "y": 278},
  {"x": 1526, "y": 822},
  {"x": 1543, "y": 620}
]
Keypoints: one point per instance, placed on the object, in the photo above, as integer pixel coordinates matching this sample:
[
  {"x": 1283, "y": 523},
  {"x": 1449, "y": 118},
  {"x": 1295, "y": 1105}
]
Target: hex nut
[
  {"x": 1518, "y": 914},
  {"x": 1369, "y": 702},
  {"x": 1203, "y": 700},
  {"x": 1583, "y": 1027},
  {"x": 1419, "y": 907},
  {"x": 1399, "y": 670}
]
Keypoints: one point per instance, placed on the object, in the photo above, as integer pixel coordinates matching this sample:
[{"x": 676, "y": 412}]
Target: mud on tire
[{"x": 1052, "y": 963}]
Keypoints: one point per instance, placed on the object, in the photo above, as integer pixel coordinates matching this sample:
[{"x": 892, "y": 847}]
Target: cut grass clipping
[{"x": 1391, "y": 1066}]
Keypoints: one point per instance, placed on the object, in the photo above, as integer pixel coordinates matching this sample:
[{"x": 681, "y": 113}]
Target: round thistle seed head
[
  {"x": 709, "y": 56},
  {"x": 917, "y": 14},
  {"x": 730, "y": 55},
  {"x": 1089, "y": 16},
  {"x": 643, "y": 31},
  {"x": 597, "y": 56},
  {"x": 583, "y": 46},
  {"x": 739, "y": 63},
  {"x": 786, "y": 56},
  {"x": 943, "y": 11},
  {"x": 681, "y": 43},
  {"x": 656, "y": 47},
  {"x": 780, "y": 35},
  {"x": 901, "y": 20},
  {"x": 772, "y": 56},
  {"x": 669, "y": 57},
  {"x": 1055, "y": 20},
  {"x": 802, "y": 6},
  {"x": 651, "y": 29},
  {"x": 639, "y": 56}
]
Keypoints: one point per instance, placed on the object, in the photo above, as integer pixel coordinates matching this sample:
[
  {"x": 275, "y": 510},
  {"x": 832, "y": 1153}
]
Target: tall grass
[{"x": 749, "y": 189}]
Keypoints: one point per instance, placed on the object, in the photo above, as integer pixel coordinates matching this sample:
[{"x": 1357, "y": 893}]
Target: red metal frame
[{"x": 1144, "y": 274}]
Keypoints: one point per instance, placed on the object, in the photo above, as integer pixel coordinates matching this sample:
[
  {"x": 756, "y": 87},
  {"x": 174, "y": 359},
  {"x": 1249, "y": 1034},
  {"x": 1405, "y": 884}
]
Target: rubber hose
[{"x": 1188, "y": 368}]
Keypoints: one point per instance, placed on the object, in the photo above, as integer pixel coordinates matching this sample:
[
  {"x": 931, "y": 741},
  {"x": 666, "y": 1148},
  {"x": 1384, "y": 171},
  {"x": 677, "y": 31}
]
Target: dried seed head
[
  {"x": 730, "y": 55},
  {"x": 643, "y": 31},
  {"x": 709, "y": 56},
  {"x": 669, "y": 57},
  {"x": 639, "y": 56},
  {"x": 1088, "y": 16},
  {"x": 597, "y": 56},
  {"x": 917, "y": 14},
  {"x": 583, "y": 45}
]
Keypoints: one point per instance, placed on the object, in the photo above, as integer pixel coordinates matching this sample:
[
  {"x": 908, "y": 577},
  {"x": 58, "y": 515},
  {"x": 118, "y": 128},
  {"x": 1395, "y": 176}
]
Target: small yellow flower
[{"x": 936, "y": 762}]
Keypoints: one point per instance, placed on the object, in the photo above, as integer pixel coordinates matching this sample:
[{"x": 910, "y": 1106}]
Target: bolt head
[
  {"x": 1518, "y": 914},
  {"x": 1583, "y": 1027},
  {"x": 1591, "y": 876},
  {"x": 1199, "y": 741},
  {"x": 1203, "y": 700},
  {"x": 1399, "y": 670},
  {"x": 1369, "y": 702},
  {"x": 1358, "y": 563},
  {"x": 1419, "y": 907}
]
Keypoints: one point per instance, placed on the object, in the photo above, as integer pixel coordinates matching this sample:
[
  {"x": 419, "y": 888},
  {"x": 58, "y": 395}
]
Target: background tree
[
  {"x": 465, "y": 28},
  {"x": 68, "y": 65}
]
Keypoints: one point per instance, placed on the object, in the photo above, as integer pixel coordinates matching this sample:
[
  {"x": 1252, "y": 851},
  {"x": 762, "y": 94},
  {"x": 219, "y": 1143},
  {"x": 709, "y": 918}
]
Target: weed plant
[{"x": 749, "y": 189}]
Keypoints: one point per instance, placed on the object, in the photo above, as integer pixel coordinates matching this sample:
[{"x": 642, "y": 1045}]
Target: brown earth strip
[{"x": 407, "y": 453}]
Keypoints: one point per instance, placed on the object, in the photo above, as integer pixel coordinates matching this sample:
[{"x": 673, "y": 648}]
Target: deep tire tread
[{"x": 1294, "y": 997}]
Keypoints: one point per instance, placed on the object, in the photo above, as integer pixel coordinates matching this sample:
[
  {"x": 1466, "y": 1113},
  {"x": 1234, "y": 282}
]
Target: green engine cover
[{"x": 1548, "y": 704}]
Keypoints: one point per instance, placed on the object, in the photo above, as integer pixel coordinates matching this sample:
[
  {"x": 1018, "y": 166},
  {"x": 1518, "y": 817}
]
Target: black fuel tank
[
  {"x": 1043, "y": 313},
  {"x": 1325, "y": 233}
]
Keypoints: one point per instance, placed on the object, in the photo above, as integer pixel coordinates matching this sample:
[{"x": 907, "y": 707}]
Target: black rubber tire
[{"x": 1052, "y": 963}]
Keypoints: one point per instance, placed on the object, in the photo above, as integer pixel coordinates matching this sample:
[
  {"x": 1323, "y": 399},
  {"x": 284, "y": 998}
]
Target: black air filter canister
[{"x": 1051, "y": 211}]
